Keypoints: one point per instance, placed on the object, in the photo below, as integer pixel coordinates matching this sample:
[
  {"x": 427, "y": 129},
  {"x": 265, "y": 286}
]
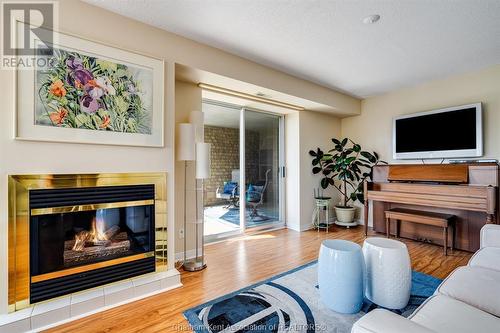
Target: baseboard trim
[{"x": 190, "y": 254}]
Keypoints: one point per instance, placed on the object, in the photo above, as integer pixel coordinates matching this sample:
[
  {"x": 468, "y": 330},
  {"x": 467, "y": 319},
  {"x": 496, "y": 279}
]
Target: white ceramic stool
[
  {"x": 388, "y": 272},
  {"x": 340, "y": 275}
]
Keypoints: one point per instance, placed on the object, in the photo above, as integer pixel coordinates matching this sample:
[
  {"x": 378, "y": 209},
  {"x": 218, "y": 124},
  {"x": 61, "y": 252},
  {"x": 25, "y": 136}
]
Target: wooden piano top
[{"x": 478, "y": 174}]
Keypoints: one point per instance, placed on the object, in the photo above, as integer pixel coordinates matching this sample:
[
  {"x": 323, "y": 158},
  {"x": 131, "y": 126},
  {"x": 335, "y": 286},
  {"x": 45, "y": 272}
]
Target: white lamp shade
[
  {"x": 185, "y": 142},
  {"x": 197, "y": 119},
  {"x": 202, "y": 160}
]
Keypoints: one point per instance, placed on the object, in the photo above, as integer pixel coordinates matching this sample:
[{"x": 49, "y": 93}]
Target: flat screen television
[{"x": 445, "y": 133}]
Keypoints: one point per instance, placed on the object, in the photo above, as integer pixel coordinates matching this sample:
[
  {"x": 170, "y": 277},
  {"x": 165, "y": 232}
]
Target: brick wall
[{"x": 225, "y": 157}]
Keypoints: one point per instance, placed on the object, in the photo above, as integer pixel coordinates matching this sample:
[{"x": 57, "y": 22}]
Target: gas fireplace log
[
  {"x": 111, "y": 232},
  {"x": 95, "y": 252},
  {"x": 120, "y": 237},
  {"x": 69, "y": 245},
  {"x": 92, "y": 238},
  {"x": 95, "y": 242}
]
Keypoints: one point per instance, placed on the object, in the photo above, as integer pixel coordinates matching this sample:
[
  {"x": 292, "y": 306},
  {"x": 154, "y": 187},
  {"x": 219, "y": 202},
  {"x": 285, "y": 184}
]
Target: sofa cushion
[
  {"x": 476, "y": 286},
  {"x": 490, "y": 235},
  {"x": 444, "y": 314},
  {"x": 487, "y": 257},
  {"x": 384, "y": 321}
]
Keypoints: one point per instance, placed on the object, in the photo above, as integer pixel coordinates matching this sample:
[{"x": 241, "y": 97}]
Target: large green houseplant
[{"x": 345, "y": 167}]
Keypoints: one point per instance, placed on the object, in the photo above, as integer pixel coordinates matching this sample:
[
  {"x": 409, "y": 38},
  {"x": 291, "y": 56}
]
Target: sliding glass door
[
  {"x": 222, "y": 190},
  {"x": 262, "y": 166},
  {"x": 245, "y": 187}
]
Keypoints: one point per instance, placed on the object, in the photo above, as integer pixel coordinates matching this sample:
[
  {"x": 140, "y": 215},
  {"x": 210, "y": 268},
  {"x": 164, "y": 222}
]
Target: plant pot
[{"x": 345, "y": 216}]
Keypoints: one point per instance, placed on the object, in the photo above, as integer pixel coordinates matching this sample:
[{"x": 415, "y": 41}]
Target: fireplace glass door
[
  {"x": 85, "y": 237},
  {"x": 69, "y": 239}
]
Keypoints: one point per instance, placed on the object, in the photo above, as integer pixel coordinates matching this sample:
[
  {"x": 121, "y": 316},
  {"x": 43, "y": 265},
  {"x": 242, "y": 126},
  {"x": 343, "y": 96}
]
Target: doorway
[{"x": 245, "y": 190}]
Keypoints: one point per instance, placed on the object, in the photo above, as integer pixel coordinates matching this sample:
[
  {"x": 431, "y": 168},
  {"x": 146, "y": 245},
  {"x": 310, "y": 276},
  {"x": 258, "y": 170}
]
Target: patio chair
[
  {"x": 230, "y": 193},
  {"x": 230, "y": 190},
  {"x": 255, "y": 195}
]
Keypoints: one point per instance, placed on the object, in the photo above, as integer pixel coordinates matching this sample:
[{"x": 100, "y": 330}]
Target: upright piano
[{"x": 468, "y": 191}]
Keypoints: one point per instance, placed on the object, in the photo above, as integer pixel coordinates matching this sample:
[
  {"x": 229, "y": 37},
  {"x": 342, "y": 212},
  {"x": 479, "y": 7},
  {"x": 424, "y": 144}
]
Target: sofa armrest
[
  {"x": 490, "y": 235},
  {"x": 384, "y": 321}
]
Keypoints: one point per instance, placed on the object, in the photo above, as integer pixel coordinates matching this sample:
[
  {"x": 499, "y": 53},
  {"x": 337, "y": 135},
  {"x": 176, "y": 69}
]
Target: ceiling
[{"x": 325, "y": 41}]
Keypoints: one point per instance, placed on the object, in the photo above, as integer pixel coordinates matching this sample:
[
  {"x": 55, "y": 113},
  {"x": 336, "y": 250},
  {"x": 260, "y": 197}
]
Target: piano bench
[{"x": 444, "y": 221}]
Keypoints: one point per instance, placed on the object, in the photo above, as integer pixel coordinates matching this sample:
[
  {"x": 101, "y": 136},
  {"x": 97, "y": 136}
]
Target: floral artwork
[{"x": 85, "y": 92}]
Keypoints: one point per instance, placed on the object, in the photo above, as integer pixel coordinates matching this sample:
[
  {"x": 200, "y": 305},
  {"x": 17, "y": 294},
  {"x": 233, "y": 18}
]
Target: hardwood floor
[{"x": 237, "y": 263}]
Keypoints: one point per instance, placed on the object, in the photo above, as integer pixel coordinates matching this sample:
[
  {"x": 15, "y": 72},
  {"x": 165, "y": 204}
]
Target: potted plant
[{"x": 345, "y": 167}]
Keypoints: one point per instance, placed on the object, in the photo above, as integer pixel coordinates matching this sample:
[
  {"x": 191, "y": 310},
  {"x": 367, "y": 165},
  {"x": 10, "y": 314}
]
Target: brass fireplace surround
[{"x": 19, "y": 215}]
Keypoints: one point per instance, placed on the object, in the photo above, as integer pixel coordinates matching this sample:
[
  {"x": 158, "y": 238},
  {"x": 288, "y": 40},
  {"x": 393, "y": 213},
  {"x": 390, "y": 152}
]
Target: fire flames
[
  {"x": 96, "y": 235},
  {"x": 96, "y": 243}
]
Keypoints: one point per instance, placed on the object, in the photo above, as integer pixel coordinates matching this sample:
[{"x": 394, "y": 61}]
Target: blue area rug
[
  {"x": 233, "y": 216},
  {"x": 289, "y": 302}
]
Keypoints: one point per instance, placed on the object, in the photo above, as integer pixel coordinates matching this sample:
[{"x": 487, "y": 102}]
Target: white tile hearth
[
  {"x": 64, "y": 309},
  {"x": 119, "y": 292},
  {"x": 87, "y": 301},
  {"x": 147, "y": 284},
  {"x": 48, "y": 312},
  {"x": 17, "y": 322},
  {"x": 167, "y": 277}
]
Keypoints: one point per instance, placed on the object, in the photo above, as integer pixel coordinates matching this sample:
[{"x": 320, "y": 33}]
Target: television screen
[{"x": 452, "y": 132}]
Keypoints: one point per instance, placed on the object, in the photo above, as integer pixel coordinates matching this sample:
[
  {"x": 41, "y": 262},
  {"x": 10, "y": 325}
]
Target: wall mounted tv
[{"x": 445, "y": 133}]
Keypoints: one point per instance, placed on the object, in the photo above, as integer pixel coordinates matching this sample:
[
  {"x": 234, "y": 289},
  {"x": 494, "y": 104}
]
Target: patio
[{"x": 219, "y": 219}]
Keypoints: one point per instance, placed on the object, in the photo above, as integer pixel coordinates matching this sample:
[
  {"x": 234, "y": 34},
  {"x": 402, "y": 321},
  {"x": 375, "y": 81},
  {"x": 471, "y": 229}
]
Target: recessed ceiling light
[{"x": 370, "y": 19}]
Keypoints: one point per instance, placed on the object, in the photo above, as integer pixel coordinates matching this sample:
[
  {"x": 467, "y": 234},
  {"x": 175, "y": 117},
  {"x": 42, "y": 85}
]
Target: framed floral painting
[{"x": 87, "y": 92}]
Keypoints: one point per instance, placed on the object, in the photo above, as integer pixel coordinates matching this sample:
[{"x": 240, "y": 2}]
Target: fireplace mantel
[{"x": 20, "y": 216}]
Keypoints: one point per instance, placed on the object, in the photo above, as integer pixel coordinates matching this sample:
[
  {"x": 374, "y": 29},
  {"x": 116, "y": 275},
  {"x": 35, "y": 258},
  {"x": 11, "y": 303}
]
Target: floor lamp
[
  {"x": 202, "y": 172},
  {"x": 185, "y": 152}
]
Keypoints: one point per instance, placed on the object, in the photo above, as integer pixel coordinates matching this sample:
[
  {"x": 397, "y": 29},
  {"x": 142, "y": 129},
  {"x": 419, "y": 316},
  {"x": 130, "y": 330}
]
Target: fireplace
[{"x": 82, "y": 231}]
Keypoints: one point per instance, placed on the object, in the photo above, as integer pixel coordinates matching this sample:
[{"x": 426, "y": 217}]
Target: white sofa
[{"x": 468, "y": 300}]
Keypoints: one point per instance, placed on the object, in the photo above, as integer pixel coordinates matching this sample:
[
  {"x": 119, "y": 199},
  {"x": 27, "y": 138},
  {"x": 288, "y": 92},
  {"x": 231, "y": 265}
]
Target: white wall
[
  {"x": 316, "y": 130},
  {"x": 292, "y": 179},
  {"x": 373, "y": 128},
  {"x": 305, "y": 131}
]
